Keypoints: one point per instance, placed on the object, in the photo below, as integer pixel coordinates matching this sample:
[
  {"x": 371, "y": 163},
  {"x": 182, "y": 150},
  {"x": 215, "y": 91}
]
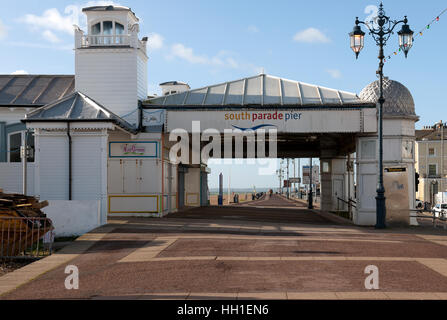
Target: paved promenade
[{"x": 272, "y": 248}]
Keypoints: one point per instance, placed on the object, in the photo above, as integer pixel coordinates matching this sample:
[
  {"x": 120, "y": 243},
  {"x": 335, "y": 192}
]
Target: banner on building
[
  {"x": 133, "y": 149},
  {"x": 315, "y": 174}
]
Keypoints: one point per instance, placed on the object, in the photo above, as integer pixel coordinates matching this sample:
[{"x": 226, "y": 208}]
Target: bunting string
[{"x": 417, "y": 34}]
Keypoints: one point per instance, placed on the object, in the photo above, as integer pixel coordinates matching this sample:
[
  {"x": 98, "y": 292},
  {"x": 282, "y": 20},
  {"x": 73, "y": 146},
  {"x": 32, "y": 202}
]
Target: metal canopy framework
[{"x": 261, "y": 90}]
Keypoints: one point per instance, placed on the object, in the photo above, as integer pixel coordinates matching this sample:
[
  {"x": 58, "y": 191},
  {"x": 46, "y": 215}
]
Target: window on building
[
  {"x": 14, "y": 144},
  {"x": 431, "y": 151},
  {"x": 432, "y": 170},
  {"x": 96, "y": 28},
  {"x": 119, "y": 30},
  {"x": 435, "y": 188},
  {"x": 30, "y": 143},
  {"x": 107, "y": 30},
  {"x": 15, "y": 141}
]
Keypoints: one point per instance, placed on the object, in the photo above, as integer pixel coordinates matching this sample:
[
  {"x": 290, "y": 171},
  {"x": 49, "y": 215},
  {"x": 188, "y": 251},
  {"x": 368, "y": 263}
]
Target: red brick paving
[
  {"x": 101, "y": 275},
  {"x": 275, "y": 209},
  {"x": 231, "y": 276},
  {"x": 290, "y": 248}
]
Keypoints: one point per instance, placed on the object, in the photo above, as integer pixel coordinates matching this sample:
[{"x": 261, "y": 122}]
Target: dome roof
[{"x": 398, "y": 99}]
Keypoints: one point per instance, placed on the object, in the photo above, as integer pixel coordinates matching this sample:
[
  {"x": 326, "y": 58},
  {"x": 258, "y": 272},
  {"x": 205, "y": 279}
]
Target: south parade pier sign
[
  {"x": 256, "y": 116},
  {"x": 305, "y": 120}
]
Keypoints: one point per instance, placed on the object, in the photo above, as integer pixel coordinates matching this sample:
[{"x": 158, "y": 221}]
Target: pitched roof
[
  {"x": 430, "y": 134},
  {"x": 77, "y": 107},
  {"x": 259, "y": 90},
  {"x": 34, "y": 90}
]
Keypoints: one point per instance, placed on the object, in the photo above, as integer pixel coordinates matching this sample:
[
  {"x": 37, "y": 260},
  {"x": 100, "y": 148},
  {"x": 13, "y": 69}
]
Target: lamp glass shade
[
  {"x": 357, "y": 37},
  {"x": 405, "y": 39}
]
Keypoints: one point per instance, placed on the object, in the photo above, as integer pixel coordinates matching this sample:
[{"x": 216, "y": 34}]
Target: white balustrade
[{"x": 105, "y": 40}]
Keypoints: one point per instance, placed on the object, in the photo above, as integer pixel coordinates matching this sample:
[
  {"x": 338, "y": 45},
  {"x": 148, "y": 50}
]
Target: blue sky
[{"x": 207, "y": 42}]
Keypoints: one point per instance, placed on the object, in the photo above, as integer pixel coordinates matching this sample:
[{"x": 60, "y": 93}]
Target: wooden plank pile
[
  {"x": 22, "y": 223},
  {"x": 19, "y": 205}
]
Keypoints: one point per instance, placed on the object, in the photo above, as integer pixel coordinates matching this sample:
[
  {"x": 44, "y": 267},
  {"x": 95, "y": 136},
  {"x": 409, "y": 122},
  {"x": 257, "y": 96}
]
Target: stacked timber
[{"x": 22, "y": 223}]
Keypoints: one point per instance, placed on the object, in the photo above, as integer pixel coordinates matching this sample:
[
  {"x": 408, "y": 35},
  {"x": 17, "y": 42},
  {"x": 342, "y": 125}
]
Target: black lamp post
[
  {"x": 310, "y": 199},
  {"x": 381, "y": 33}
]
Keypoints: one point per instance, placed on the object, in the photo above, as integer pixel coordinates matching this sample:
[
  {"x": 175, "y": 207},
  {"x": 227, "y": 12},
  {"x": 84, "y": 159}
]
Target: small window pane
[
  {"x": 119, "y": 31},
  {"x": 30, "y": 144},
  {"x": 431, "y": 169},
  {"x": 325, "y": 167},
  {"x": 107, "y": 27},
  {"x": 119, "y": 28},
  {"x": 15, "y": 141},
  {"x": 431, "y": 151},
  {"x": 435, "y": 189},
  {"x": 107, "y": 31},
  {"x": 96, "y": 28}
]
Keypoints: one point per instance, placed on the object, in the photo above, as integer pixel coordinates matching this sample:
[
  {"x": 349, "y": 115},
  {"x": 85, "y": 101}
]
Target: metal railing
[
  {"x": 350, "y": 202},
  {"x": 441, "y": 217},
  {"x": 25, "y": 237}
]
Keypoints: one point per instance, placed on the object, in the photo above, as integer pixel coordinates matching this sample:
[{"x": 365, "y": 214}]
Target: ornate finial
[{"x": 381, "y": 12}]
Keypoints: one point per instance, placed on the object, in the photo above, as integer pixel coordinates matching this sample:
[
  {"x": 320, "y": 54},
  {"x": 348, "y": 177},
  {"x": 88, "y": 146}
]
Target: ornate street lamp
[
  {"x": 405, "y": 38},
  {"x": 357, "y": 40},
  {"x": 381, "y": 33}
]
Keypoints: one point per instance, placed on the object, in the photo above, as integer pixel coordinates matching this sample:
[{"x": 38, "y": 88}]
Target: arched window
[
  {"x": 107, "y": 32},
  {"x": 96, "y": 28},
  {"x": 15, "y": 140},
  {"x": 119, "y": 31}
]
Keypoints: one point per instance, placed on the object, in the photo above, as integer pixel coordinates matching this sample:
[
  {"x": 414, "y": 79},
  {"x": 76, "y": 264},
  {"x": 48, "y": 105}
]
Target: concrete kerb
[
  {"x": 360, "y": 295},
  {"x": 19, "y": 277}
]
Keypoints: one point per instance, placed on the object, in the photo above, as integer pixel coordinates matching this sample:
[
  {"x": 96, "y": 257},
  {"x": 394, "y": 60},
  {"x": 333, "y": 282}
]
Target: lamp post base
[
  {"x": 310, "y": 202},
  {"x": 380, "y": 210}
]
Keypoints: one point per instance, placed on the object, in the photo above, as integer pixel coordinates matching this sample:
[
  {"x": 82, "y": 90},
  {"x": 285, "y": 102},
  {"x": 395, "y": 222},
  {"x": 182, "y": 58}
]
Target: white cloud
[
  {"x": 155, "y": 41},
  {"x": 181, "y": 51},
  {"x": 232, "y": 63},
  {"x": 252, "y": 29},
  {"x": 334, "y": 73},
  {"x": 19, "y": 72},
  {"x": 3, "y": 30},
  {"x": 311, "y": 35},
  {"x": 50, "y": 36},
  {"x": 52, "y": 24},
  {"x": 52, "y": 19},
  {"x": 223, "y": 59}
]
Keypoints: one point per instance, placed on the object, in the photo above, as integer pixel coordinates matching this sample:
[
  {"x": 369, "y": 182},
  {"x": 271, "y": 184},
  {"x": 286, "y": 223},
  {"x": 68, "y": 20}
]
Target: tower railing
[{"x": 105, "y": 40}]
